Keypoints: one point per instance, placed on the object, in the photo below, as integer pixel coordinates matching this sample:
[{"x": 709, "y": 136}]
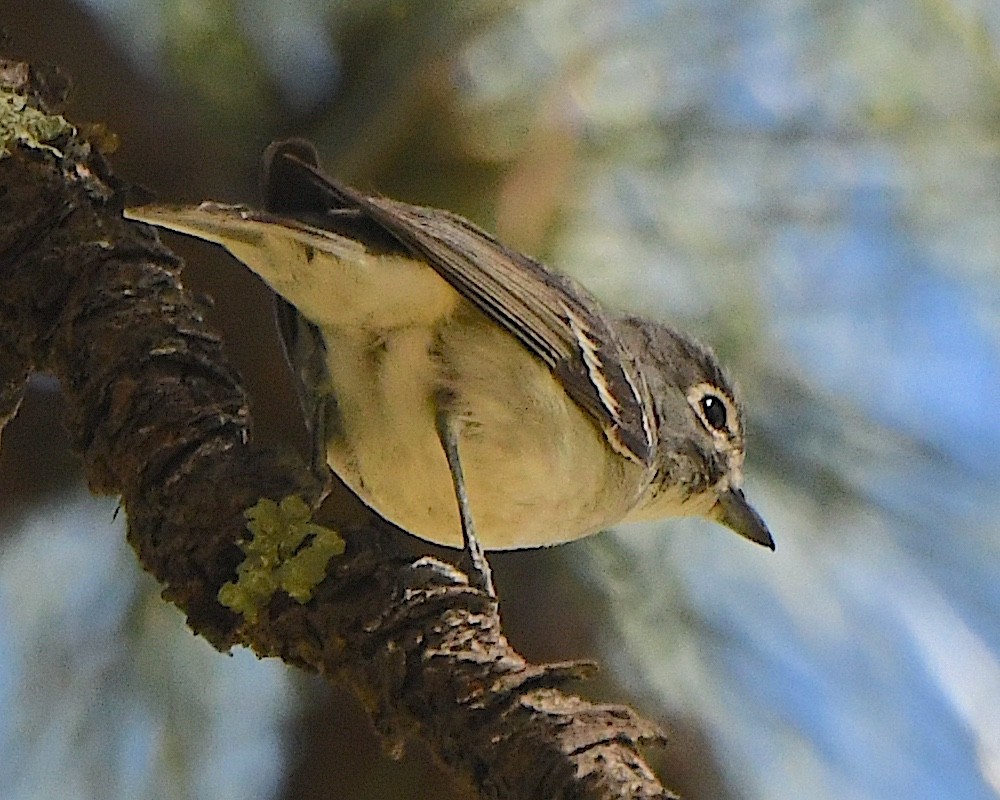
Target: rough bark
[{"x": 160, "y": 418}]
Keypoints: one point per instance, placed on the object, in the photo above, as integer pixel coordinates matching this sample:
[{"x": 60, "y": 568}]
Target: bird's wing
[{"x": 552, "y": 316}]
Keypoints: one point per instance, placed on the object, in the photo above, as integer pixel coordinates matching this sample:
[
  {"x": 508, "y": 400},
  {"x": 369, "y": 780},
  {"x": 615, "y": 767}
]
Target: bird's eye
[{"x": 715, "y": 412}]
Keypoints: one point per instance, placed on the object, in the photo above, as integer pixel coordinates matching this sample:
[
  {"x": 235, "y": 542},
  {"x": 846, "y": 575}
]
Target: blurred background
[{"x": 812, "y": 187}]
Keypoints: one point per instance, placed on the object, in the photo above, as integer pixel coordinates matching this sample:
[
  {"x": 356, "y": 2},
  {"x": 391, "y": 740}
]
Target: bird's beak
[{"x": 733, "y": 511}]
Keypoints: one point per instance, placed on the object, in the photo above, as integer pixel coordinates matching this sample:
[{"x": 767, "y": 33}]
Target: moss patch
[{"x": 287, "y": 551}]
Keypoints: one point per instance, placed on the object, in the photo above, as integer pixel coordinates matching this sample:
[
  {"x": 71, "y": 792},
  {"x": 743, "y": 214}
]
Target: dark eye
[{"x": 715, "y": 412}]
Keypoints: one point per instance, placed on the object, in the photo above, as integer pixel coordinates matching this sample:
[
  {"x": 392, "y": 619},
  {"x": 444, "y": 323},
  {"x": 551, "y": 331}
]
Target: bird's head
[{"x": 700, "y": 435}]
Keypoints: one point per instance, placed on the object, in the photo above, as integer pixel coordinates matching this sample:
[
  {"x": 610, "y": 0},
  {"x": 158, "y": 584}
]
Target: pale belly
[{"x": 528, "y": 486}]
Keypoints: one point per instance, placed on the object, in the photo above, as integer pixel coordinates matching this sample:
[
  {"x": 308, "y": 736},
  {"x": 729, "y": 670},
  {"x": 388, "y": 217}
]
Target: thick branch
[{"x": 159, "y": 417}]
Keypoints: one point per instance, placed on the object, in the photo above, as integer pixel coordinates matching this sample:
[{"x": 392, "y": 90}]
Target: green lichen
[
  {"x": 22, "y": 124},
  {"x": 287, "y": 551}
]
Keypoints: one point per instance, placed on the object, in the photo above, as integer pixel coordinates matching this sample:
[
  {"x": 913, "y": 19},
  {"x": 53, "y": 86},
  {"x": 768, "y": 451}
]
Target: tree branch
[{"x": 160, "y": 418}]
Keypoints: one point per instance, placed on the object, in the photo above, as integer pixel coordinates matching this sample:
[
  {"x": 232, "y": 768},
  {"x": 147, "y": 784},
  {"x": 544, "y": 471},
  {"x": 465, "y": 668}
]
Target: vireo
[{"x": 466, "y": 392}]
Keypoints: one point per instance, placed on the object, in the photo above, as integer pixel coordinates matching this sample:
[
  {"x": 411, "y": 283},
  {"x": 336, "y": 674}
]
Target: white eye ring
[{"x": 715, "y": 410}]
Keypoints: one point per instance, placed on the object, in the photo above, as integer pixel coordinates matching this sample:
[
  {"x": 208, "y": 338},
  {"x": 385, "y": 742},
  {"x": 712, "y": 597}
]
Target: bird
[{"x": 463, "y": 390}]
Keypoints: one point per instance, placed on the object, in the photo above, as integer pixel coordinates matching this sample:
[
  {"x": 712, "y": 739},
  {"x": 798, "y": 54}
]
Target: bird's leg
[
  {"x": 305, "y": 351},
  {"x": 480, "y": 574},
  {"x": 317, "y": 434}
]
